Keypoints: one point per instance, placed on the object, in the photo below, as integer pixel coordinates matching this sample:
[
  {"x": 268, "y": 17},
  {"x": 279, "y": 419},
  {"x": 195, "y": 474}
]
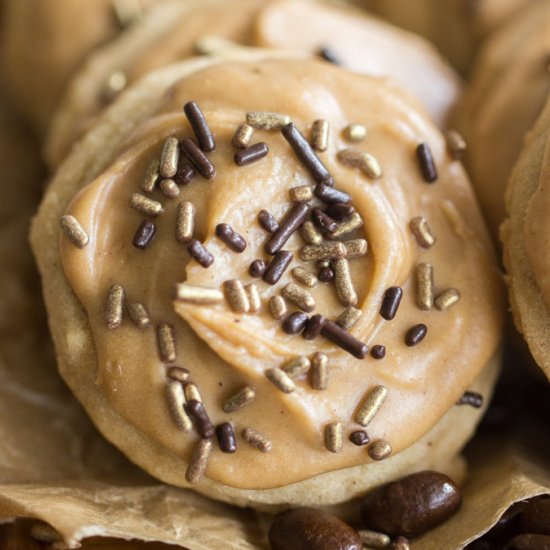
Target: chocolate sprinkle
[
  {"x": 331, "y": 331},
  {"x": 268, "y": 221},
  {"x": 226, "y": 438},
  {"x": 326, "y": 275},
  {"x": 378, "y": 352},
  {"x": 201, "y": 419},
  {"x": 330, "y": 194},
  {"x": 292, "y": 221},
  {"x": 185, "y": 174},
  {"x": 257, "y": 268},
  {"x": 416, "y": 334},
  {"x": 197, "y": 158},
  {"x": 390, "y": 302},
  {"x": 144, "y": 234},
  {"x": 324, "y": 222},
  {"x": 251, "y": 154},
  {"x": 198, "y": 251},
  {"x": 295, "y": 323},
  {"x": 359, "y": 438},
  {"x": 313, "y": 327},
  {"x": 230, "y": 237},
  {"x": 339, "y": 211},
  {"x": 277, "y": 266},
  {"x": 200, "y": 126},
  {"x": 471, "y": 398},
  {"x": 427, "y": 165}
]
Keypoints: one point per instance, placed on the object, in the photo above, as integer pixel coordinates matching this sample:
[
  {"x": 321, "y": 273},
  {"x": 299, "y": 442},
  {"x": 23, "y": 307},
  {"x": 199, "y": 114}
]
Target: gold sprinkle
[
  {"x": 303, "y": 193},
  {"x": 323, "y": 263},
  {"x": 150, "y": 177},
  {"x": 169, "y": 158},
  {"x": 455, "y": 144},
  {"x": 170, "y": 188},
  {"x": 257, "y": 440},
  {"x": 297, "y": 367},
  {"x": 344, "y": 285},
  {"x": 254, "y": 298},
  {"x": 138, "y": 314},
  {"x": 320, "y": 135},
  {"x": 127, "y": 12},
  {"x": 348, "y": 318},
  {"x": 356, "y": 248},
  {"x": 192, "y": 392},
  {"x": 185, "y": 221},
  {"x": 145, "y": 205},
  {"x": 115, "y": 307},
  {"x": 199, "y": 295},
  {"x": 116, "y": 82},
  {"x": 354, "y": 222},
  {"x": 304, "y": 277},
  {"x": 299, "y": 296},
  {"x": 373, "y": 539},
  {"x": 176, "y": 404},
  {"x": 310, "y": 233},
  {"x": 447, "y": 299},
  {"x": 239, "y": 400},
  {"x": 74, "y": 231},
  {"x": 166, "y": 342},
  {"x": 372, "y": 402},
  {"x": 334, "y": 437},
  {"x": 199, "y": 461},
  {"x": 178, "y": 374},
  {"x": 319, "y": 371},
  {"x": 355, "y": 132},
  {"x": 242, "y": 136},
  {"x": 277, "y": 307},
  {"x": 379, "y": 449},
  {"x": 424, "y": 286},
  {"x": 236, "y": 296},
  {"x": 324, "y": 251},
  {"x": 266, "y": 121},
  {"x": 421, "y": 231},
  {"x": 367, "y": 163},
  {"x": 280, "y": 379}
]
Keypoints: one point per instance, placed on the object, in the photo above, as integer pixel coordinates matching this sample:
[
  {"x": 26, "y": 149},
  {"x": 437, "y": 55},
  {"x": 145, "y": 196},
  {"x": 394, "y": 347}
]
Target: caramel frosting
[{"x": 224, "y": 350}]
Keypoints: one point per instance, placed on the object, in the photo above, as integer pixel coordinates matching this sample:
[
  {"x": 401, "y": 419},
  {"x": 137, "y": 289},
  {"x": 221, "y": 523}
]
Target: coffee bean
[
  {"x": 309, "y": 528},
  {"x": 536, "y": 516},
  {"x": 411, "y": 505},
  {"x": 529, "y": 542}
]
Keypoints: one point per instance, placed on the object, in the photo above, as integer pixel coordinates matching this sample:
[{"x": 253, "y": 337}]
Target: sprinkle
[
  {"x": 139, "y": 316},
  {"x": 367, "y": 163},
  {"x": 401, "y": 543},
  {"x": 299, "y": 366},
  {"x": 236, "y": 296},
  {"x": 310, "y": 233},
  {"x": 356, "y": 248},
  {"x": 344, "y": 285},
  {"x": 169, "y": 158},
  {"x": 303, "y": 193},
  {"x": 179, "y": 374},
  {"x": 331, "y": 331},
  {"x": 334, "y": 437},
  {"x": 294, "y": 218},
  {"x": 116, "y": 82},
  {"x": 455, "y": 144},
  {"x": 251, "y": 154},
  {"x": 424, "y": 286},
  {"x": 370, "y": 405},
  {"x": 169, "y": 188},
  {"x": 185, "y": 221},
  {"x": 115, "y": 307},
  {"x": 257, "y": 440},
  {"x": 202, "y": 131},
  {"x": 345, "y": 227},
  {"x": 359, "y": 438},
  {"x": 267, "y": 221},
  {"x": 226, "y": 438},
  {"x": 166, "y": 340},
  {"x": 199, "y": 295},
  {"x": 199, "y": 252},
  {"x": 176, "y": 404},
  {"x": 447, "y": 299},
  {"x": 319, "y": 371},
  {"x": 378, "y": 352},
  {"x": 201, "y": 419},
  {"x": 295, "y": 323},
  {"x": 197, "y": 158},
  {"x": 326, "y": 275},
  {"x": 339, "y": 211},
  {"x": 299, "y": 296},
  {"x": 471, "y": 398},
  {"x": 144, "y": 234},
  {"x": 239, "y": 400},
  {"x": 74, "y": 231},
  {"x": 348, "y": 318},
  {"x": 304, "y": 277},
  {"x": 324, "y": 251},
  {"x": 320, "y": 135},
  {"x": 416, "y": 334},
  {"x": 390, "y": 302},
  {"x": 313, "y": 327},
  {"x": 379, "y": 449},
  {"x": 280, "y": 379},
  {"x": 421, "y": 231},
  {"x": 127, "y": 12},
  {"x": 307, "y": 155},
  {"x": 146, "y": 206},
  {"x": 266, "y": 121},
  {"x": 184, "y": 174},
  {"x": 426, "y": 161},
  {"x": 192, "y": 392},
  {"x": 151, "y": 176},
  {"x": 277, "y": 266},
  {"x": 277, "y": 307},
  {"x": 257, "y": 268},
  {"x": 242, "y": 136},
  {"x": 199, "y": 461},
  {"x": 355, "y": 132},
  {"x": 328, "y": 55},
  {"x": 254, "y": 298},
  {"x": 329, "y": 194},
  {"x": 230, "y": 237},
  {"x": 324, "y": 223},
  {"x": 372, "y": 539}
]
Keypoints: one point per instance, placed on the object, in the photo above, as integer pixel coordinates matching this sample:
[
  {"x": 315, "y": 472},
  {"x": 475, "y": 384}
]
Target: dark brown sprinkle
[
  {"x": 307, "y": 155},
  {"x": 390, "y": 302},
  {"x": 529, "y": 542},
  {"x": 427, "y": 165},
  {"x": 471, "y": 398},
  {"x": 226, "y": 438},
  {"x": 257, "y": 268},
  {"x": 328, "y": 55},
  {"x": 378, "y": 351},
  {"x": 184, "y": 174},
  {"x": 326, "y": 275},
  {"x": 200, "y": 126},
  {"x": 359, "y": 438},
  {"x": 230, "y": 237},
  {"x": 268, "y": 221},
  {"x": 416, "y": 334},
  {"x": 277, "y": 266},
  {"x": 313, "y": 327},
  {"x": 144, "y": 234},
  {"x": 342, "y": 338},
  {"x": 251, "y": 154},
  {"x": 330, "y": 194},
  {"x": 339, "y": 211},
  {"x": 323, "y": 221},
  {"x": 201, "y": 419},
  {"x": 197, "y": 158},
  {"x": 535, "y": 518},
  {"x": 199, "y": 252},
  {"x": 295, "y": 322},
  {"x": 294, "y": 218}
]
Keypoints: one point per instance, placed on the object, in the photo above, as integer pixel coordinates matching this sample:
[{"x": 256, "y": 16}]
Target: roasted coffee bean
[
  {"x": 535, "y": 518},
  {"x": 309, "y": 528},
  {"x": 411, "y": 505},
  {"x": 509, "y": 524},
  {"x": 529, "y": 542}
]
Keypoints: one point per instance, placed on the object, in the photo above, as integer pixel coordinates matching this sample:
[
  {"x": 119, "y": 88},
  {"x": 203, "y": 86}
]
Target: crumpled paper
[{"x": 55, "y": 467}]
